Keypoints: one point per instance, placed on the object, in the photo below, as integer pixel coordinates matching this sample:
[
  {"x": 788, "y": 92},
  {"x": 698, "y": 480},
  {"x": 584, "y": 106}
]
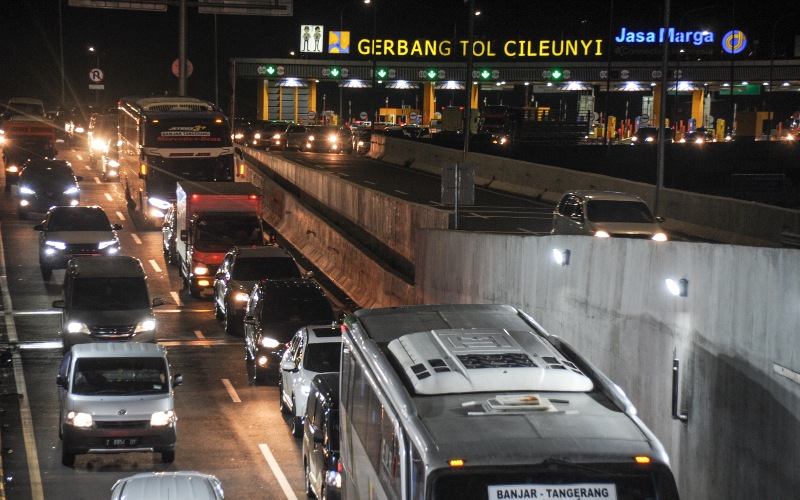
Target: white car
[
  {"x": 314, "y": 349},
  {"x": 167, "y": 486}
]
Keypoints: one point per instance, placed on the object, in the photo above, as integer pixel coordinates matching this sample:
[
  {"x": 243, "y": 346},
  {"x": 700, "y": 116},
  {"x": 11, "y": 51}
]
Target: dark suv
[
  {"x": 321, "y": 438},
  {"x": 46, "y": 183},
  {"x": 275, "y": 311},
  {"x": 239, "y": 272}
]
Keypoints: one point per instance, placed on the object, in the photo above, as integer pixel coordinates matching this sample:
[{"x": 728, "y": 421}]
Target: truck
[
  {"x": 453, "y": 119},
  {"x": 210, "y": 219},
  {"x": 510, "y": 125},
  {"x": 25, "y": 133}
]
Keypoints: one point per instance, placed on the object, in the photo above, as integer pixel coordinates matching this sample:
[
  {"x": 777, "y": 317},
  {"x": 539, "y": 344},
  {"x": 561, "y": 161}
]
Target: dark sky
[{"x": 137, "y": 48}]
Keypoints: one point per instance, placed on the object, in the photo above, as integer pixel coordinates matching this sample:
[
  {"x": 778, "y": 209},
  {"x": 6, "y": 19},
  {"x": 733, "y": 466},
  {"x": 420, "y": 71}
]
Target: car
[
  {"x": 324, "y": 138},
  {"x": 314, "y": 349},
  {"x": 239, "y": 272},
  {"x": 346, "y": 139},
  {"x": 295, "y": 136},
  {"x": 116, "y": 398},
  {"x": 109, "y": 160},
  {"x": 262, "y": 133},
  {"x": 698, "y": 137},
  {"x": 361, "y": 141},
  {"x": 68, "y": 232},
  {"x": 646, "y": 135},
  {"x": 606, "y": 214},
  {"x": 106, "y": 299},
  {"x": 168, "y": 485},
  {"x": 239, "y": 130},
  {"x": 321, "y": 438},
  {"x": 275, "y": 310},
  {"x": 46, "y": 183},
  {"x": 102, "y": 129}
]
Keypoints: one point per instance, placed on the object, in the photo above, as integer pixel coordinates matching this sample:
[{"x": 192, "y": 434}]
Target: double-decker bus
[
  {"x": 479, "y": 402},
  {"x": 164, "y": 140}
]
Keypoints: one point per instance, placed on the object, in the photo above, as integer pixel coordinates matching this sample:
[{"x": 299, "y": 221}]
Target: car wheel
[
  {"x": 309, "y": 489},
  {"x": 218, "y": 314},
  {"x": 47, "y": 272},
  {"x": 297, "y": 422},
  {"x": 167, "y": 457},
  {"x": 283, "y": 407},
  {"x": 67, "y": 459},
  {"x": 195, "y": 291}
]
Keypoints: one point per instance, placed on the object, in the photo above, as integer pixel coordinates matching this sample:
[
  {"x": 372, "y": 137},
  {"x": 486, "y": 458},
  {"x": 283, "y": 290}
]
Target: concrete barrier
[{"x": 735, "y": 333}]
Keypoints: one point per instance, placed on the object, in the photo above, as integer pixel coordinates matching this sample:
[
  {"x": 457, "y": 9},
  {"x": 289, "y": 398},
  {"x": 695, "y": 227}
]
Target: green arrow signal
[
  {"x": 432, "y": 74},
  {"x": 334, "y": 72},
  {"x": 270, "y": 70},
  {"x": 556, "y": 74},
  {"x": 485, "y": 74},
  {"x": 382, "y": 73}
]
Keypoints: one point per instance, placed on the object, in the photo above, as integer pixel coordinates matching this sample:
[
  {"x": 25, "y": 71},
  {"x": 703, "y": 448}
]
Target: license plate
[
  {"x": 552, "y": 491},
  {"x": 122, "y": 442}
]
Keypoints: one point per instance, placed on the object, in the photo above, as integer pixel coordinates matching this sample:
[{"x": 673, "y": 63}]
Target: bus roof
[{"x": 167, "y": 104}]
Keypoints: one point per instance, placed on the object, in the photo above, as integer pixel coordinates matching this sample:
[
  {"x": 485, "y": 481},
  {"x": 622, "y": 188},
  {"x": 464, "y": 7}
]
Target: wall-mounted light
[
  {"x": 678, "y": 288},
  {"x": 561, "y": 256}
]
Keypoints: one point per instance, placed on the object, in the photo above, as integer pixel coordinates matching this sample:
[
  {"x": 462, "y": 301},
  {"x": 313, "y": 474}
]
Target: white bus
[
  {"x": 164, "y": 140},
  {"x": 479, "y": 402}
]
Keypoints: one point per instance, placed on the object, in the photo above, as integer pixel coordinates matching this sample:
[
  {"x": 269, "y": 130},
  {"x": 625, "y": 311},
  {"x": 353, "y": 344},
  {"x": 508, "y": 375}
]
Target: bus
[
  {"x": 163, "y": 140},
  {"x": 477, "y": 401}
]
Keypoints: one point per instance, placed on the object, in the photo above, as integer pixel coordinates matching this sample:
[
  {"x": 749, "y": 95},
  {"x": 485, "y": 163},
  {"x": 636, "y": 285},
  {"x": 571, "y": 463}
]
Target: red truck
[
  {"x": 26, "y": 134},
  {"x": 210, "y": 218}
]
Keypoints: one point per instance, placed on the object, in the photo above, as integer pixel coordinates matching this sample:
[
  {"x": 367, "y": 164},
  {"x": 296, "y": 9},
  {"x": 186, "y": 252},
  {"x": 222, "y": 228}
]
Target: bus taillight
[
  {"x": 143, "y": 168},
  {"x": 456, "y": 462},
  {"x": 640, "y": 459},
  {"x": 253, "y": 196},
  {"x": 241, "y": 169}
]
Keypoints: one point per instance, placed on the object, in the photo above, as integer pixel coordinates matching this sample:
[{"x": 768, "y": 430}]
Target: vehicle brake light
[
  {"x": 253, "y": 196},
  {"x": 195, "y": 197},
  {"x": 642, "y": 459},
  {"x": 143, "y": 168}
]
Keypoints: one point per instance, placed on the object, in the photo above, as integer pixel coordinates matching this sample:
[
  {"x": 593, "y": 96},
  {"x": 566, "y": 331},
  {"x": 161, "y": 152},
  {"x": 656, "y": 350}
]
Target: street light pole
[
  {"x": 97, "y": 90},
  {"x": 468, "y": 81},
  {"x": 374, "y": 92}
]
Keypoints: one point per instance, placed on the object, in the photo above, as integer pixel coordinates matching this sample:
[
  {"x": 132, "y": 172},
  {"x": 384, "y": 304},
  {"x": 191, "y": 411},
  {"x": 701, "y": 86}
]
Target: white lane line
[
  {"x": 398, "y": 191},
  {"x": 273, "y": 464},
  {"x": 97, "y": 180},
  {"x": 80, "y": 157},
  {"x": 108, "y": 197},
  {"x": 136, "y": 238},
  {"x": 87, "y": 166},
  {"x": 121, "y": 217},
  {"x": 202, "y": 337},
  {"x": 176, "y": 298},
  {"x": 525, "y": 230},
  {"x": 370, "y": 182},
  {"x": 34, "y": 476},
  {"x": 231, "y": 390},
  {"x": 155, "y": 265}
]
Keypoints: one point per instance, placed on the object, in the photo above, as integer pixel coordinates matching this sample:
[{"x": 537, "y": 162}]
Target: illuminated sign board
[{"x": 480, "y": 48}]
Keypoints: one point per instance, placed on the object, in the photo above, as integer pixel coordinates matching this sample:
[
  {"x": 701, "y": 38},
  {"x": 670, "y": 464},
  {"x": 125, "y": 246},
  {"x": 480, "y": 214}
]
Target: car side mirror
[
  {"x": 289, "y": 366},
  {"x": 158, "y": 301},
  {"x": 308, "y": 275},
  {"x": 318, "y": 437},
  {"x": 661, "y": 219},
  {"x": 184, "y": 235},
  {"x": 61, "y": 381},
  {"x": 79, "y": 178},
  {"x": 59, "y": 304},
  {"x": 116, "y": 227},
  {"x": 177, "y": 380}
]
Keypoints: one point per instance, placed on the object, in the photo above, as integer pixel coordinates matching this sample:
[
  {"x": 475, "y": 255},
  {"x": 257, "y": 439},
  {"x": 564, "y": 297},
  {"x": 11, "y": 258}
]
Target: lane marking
[
  {"x": 97, "y": 180},
  {"x": 79, "y": 156},
  {"x": 401, "y": 192},
  {"x": 201, "y": 337},
  {"x": 121, "y": 217},
  {"x": 231, "y": 390},
  {"x": 176, "y": 298},
  {"x": 87, "y": 166},
  {"x": 155, "y": 265},
  {"x": 34, "y": 476},
  {"x": 108, "y": 197},
  {"x": 136, "y": 238},
  {"x": 276, "y": 469},
  {"x": 370, "y": 182},
  {"x": 198, "y": 343}
]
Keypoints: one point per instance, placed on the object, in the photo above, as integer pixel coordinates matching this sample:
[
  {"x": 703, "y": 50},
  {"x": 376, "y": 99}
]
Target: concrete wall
[
  {"x": 715, "y": 218},
  {"x": 736, "y": 334}
]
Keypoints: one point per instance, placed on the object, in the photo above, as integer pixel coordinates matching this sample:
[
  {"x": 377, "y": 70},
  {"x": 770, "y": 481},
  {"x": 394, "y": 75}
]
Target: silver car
[
  {"x": 168, "y": 485},
  {"x": 606, "y": 214}
]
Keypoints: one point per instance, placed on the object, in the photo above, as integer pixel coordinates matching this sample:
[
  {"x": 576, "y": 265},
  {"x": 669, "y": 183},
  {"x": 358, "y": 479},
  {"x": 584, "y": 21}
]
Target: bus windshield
[{"x": 175, "y": 134}]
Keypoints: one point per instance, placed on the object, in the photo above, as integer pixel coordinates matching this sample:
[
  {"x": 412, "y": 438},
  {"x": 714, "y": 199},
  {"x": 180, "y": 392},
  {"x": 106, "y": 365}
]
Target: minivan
[
  {"x": 116, "y": 398},
  {"x": 106, "y": 299}
]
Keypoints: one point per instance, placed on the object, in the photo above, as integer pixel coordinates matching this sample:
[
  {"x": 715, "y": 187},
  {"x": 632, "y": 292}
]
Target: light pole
[
  {"x": 97, "y": 90},
  {"x": 771, "y": 66},
  {"x": 374, "y": 91}
]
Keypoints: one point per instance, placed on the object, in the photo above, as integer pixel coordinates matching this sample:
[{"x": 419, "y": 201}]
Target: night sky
[{"x": 136, "y": 49}]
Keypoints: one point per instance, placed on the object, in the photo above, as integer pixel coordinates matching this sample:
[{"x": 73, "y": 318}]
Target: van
[
  {"x": 321, "y": 438},
  {"x": 116, "y": 398},
  {"x": 168, "y": 486},
  {"x": 106, "y": 299}
]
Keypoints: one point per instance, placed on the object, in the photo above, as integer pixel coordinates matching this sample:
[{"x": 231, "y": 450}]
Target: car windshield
[
  {"x": 322, "y": 357},
  {"x": 273, "y": 268},
  {"x": 79, "y": 220},
  {"x": 120, "y": 376},
  {"x": 308, "y": 310},
  {"x": 46, "y": 176},
  {"x": 109, "y": 294},
  {"x": 218, "y": 235},
  {"x": 618, "y": 211}
]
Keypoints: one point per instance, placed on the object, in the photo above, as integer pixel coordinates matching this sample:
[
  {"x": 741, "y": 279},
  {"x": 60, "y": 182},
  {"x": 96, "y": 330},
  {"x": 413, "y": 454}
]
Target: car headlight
[
  {"x": 276, "y": 136},
  {"x": 79, "y": 129},
  {"x": 105, "y": 244},
  {"x": 78, "y": 419},
  {"x": 58, "y": 245},
  {"x": 601, "y": 234},
  {"x": 72, "y": 190},
  {"x": 310, "y": 137},
  {"x": 26, "y": 190},
  {"x": 241, "y": 297},
  {"x": 147, "y": 325},
  {"x": 269, "y": 343},
  {"x": 77, "y": 327},
  {"x": 332, "y": 138},
  {"x": 113, "y": 163},
  {"x": 257, "y": 136},
  {"x": 13, "y": 169},
  {"x": 238, "y": 135},
  {"x": 659, "y": 237},
  {"x": 162, "y": 418},
  {"x": 159, "y": 203},
  {"x": 98, "y": 145},
  {"x": 200, "y": 269}
]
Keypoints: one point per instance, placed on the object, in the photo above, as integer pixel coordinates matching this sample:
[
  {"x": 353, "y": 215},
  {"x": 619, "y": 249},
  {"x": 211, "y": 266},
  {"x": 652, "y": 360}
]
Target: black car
[
  {"x": 240, "y": 271},
  {"x": 263, "y": 134},
  {"x": 326, "y": 138},
  {"x": 68, "y": 232},
  {"x": 239, "y": 130},
  {"x": 647, "y": 135},
  {"x": 321, "y": 438},
  {"x": 275, "y": 311},
  {"x": 46, "y": 183}
]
